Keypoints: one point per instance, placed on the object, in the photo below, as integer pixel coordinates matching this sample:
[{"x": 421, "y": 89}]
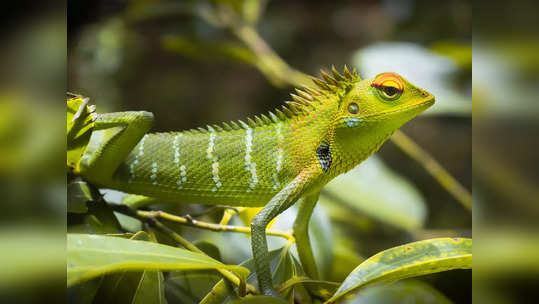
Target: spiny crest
[{"x": 304, "y": 101}]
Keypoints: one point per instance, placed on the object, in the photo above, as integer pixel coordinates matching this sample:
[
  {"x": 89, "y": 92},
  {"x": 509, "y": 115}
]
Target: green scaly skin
[{"x": 270, "y": 161}]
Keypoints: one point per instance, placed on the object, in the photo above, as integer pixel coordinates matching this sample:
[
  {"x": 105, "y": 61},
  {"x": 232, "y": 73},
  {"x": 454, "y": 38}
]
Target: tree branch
[{"x": 208, "y": 226}]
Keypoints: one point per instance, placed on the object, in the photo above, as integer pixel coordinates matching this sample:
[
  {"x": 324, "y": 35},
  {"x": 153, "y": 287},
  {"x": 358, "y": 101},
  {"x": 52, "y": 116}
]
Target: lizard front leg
[
  {"x": 301, "y": 233},
  {"x": 114, "y": 135},
  {"x": 279, "y": 203}
]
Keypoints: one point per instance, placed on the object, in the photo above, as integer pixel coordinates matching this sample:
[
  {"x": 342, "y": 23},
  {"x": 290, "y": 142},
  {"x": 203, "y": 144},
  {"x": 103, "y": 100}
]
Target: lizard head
[
  {"x": 387, "y": 99},
  {"x": 372, "y": 109}
]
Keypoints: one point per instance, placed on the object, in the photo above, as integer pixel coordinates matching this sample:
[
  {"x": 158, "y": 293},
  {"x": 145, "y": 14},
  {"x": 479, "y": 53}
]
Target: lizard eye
[
  {"x": 353, "y": 108},
  {"x": 389, "y": 86},
  {"x": 390, "y": 91}
]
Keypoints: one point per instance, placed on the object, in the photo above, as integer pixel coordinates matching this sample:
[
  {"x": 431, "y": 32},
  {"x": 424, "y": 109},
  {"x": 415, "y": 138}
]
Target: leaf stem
[{"x": 208, "y": 226}]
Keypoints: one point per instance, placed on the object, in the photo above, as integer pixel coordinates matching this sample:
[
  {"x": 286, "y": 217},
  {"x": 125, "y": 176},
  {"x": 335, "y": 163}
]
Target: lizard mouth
[{"x": 416, "y": 108}]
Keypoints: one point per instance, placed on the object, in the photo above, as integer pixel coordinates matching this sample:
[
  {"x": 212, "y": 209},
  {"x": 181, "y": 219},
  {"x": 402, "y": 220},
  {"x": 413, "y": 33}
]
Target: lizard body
[{"x": 270, "y": 161}]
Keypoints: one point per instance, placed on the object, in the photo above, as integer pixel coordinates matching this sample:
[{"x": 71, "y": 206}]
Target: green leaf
[
  {"x": 209, "y": 248},
  {"x": 409, "y": 291},
  {"x": 391, "y": 199},
  {"x": 409, "y": 260},
  {"x": 78, "y": 193},
  {"x": 99, "y": 219},
  {"x": 322, "y": 242},
  {"x": 90, "y": 256},
  {"x": 283, "y": 267},
  {"x": 84, "y": 293},
  {"x": 320, "y": 289},
  {"x": 259, "y": 299},
  {"x": 189, "y": 287},
  {"x": 128, "y": 223},
  {"x": 133, "y": 287}
]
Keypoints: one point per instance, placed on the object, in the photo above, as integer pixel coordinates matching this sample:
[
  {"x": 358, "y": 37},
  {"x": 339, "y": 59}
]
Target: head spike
[
  {"x": 304, "y": 94},
  {"x": 273, "y": 117},
  {"x": 329, "y": 79},
  {"x": 347, "y": 72},
  {"x": 312, "y": 91},
  {"x": 251, "y": 122},
  {"x": 234, "y": 125},
  {"x": 354, "y": 72},
  {"x": 227, "y": 127},
  {"x": 332, "y": 88},
  {"x": 295, "y": 107},
  {"x": 217, "y": 128},
  {"x": 265, "y": 119},
  {"x": 336, "y": 74},
  {"x": 243, "y": 125},
  {"x": 299, "y": 99},
  {"x": 287, "y": 111},
  {"x": 280, "y": 114},
  {"x": 321, "y": 84},
  {"x": 258, "y": 121},
  {"x": 318, "y": 99}
]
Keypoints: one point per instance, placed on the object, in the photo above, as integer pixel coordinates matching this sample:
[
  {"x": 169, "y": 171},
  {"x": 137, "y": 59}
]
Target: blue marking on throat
[{"x": 352, "y": 122}]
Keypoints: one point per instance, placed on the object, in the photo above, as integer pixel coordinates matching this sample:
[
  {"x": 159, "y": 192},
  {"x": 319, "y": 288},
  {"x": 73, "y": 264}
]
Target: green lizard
[{"x": 271, "y": 161}]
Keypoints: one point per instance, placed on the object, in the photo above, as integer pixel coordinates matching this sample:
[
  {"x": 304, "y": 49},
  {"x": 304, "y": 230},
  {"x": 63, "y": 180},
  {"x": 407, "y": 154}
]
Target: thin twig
[
  {"x": 208, "y": 226},
  {"x": 446, "y": 180}
]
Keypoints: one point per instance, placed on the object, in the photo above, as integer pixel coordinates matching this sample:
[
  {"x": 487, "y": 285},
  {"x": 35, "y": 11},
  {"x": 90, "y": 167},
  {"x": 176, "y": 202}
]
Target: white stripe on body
[
  {"x": 250, "y": 166},
  {"x": 213, "y": 158},
  {"x": 279, "y": 158},
  {"x": 183, "y": 173},
  {"x": 132, "y": 173},
  {"x": 153, "y": 176}
]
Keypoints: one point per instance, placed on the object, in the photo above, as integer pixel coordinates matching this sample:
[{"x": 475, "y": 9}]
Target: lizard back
[{"x": 245, "y": 166}]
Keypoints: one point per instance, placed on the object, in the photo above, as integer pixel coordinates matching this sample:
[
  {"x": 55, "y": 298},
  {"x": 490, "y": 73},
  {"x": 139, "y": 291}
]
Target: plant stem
[
  {"x": 446, "y": 180},
  {"x": 208, "y": 226},
  {"x": 278, "y": 72}
]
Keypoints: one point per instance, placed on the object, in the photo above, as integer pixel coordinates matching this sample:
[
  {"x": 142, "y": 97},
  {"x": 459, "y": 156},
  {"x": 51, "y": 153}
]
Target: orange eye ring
[{"x": 389, "y": 86}]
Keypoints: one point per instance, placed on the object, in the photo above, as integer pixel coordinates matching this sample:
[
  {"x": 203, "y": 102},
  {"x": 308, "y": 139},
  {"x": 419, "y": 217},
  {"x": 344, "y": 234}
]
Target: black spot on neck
[{"x": 323, "y": 152}]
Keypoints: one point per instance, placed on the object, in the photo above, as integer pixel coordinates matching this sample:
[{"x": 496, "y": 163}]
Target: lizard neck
[{"x": 353, "y": 146}]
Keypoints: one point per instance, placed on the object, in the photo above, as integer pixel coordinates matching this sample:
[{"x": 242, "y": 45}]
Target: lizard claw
[{"x": 80, "y": 109}]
